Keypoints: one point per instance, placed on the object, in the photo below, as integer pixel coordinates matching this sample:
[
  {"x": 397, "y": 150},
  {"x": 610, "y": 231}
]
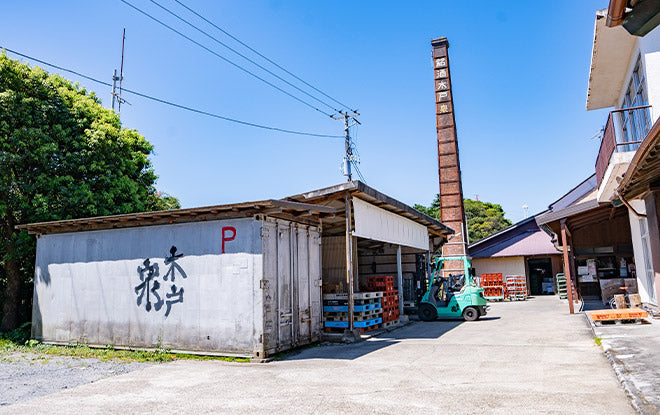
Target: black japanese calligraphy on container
[{"x": 149, "y": 283}]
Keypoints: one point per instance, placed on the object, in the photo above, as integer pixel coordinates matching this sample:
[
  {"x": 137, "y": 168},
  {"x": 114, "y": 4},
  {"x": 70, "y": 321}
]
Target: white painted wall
[
  {"x": 372, "y": 222},
  {"x": 648, "y": 49},
  {"x": 505, "y": 266}
]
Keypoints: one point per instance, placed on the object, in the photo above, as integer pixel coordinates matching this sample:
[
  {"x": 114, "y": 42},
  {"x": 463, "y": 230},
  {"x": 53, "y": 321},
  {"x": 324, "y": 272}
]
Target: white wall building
[{"x": 625, "y": 76}]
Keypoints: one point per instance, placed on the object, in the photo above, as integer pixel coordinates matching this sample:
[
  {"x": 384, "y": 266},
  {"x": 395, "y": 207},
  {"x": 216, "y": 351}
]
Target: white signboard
[{"x": 378, "y": 224}]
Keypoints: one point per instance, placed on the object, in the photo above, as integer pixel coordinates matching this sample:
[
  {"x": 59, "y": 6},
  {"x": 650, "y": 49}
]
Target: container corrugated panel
[
  {"x": 292, "y": 293},
  {"x": 201, "y": 287}
]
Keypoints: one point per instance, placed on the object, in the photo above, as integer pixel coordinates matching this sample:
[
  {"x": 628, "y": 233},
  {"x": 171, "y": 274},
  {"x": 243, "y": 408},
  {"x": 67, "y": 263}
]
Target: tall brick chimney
[{"x": 452, "y": 212}]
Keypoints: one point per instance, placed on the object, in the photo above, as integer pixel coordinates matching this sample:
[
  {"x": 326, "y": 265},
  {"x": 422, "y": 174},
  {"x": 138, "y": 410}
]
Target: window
[
  {"x": 648, "y": 268},
  {"x": 635, "y": 123}
]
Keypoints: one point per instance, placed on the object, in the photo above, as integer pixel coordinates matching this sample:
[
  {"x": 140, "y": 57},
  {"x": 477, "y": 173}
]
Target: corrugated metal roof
[
  {"x": 371, "y": 195},
  {"x": 477, "y": 245},
  {"x": 527, "y": 243},
  {"x": 284, "y": 209}
]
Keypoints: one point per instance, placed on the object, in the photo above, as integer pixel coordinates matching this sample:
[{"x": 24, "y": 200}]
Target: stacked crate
[
  {"x": 493, "y": 287},
  {"x": 562, "y": 288},
  {"x": 516, "y": 287},
  {"x": 367, "y": 311},
  {"x": 390, "y": 297}
]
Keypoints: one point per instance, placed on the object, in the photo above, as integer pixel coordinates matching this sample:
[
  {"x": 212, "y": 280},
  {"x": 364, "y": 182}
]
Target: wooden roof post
[
  {"x": 567, "y": 266},
  {"x": 349, "y": 262},
  {"x": 399, "y": 276}
]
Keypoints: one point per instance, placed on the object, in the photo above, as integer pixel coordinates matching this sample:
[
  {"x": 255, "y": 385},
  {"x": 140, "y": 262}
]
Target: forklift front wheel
[
  {"x": 470, "y": 314},
  {"x": 427, "y": 312}
]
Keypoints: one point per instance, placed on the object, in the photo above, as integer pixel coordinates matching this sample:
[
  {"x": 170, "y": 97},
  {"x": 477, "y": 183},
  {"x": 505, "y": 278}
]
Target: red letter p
[{"x": 228, "y": 234}]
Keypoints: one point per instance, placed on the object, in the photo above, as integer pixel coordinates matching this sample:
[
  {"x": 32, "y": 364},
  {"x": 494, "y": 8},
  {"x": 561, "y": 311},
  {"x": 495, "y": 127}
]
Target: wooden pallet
[
  {"x": 356, "y": 302},
  {"x": 390, "y": 323},
  {"x": 357, "y": 316},
  {"x": 341, "y": 330},
  {"x": 617, "y": 322},
  {"x": 624, "y": 314},
  {"x": 356, "y": 308},
  {"x": 356, "y": 296}
]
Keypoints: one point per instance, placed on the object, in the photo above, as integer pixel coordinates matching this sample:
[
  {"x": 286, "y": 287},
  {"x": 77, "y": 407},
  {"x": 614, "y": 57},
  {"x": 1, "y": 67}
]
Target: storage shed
[
  {"x": 241, "y": 279},
  {"x": 373, "y": 234}
]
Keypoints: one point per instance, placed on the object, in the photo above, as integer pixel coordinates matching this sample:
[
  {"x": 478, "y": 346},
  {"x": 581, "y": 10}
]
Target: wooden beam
[{"x": 567, "y": 265}]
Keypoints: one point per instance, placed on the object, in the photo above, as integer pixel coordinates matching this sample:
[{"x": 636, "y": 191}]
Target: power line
[
  {"x": 225, "y": 59},
  {"x": 262, "y": 56},
  {"x": 170, "y": 103},
  {"x": 359, "y": 173},
  {"x": 242, "y": 56}
]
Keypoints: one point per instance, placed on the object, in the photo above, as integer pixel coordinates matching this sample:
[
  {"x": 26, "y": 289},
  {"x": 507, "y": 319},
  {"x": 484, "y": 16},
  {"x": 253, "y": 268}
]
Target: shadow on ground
[{"x": 414, "y": 330}]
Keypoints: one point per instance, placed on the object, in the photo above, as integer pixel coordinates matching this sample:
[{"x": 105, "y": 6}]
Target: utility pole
[
  {"x": 116, "y": 96},
  {"x": 121, "y": 69},
  {"x": 349, "y": 157},
  {"x": 115, "y": 78}
]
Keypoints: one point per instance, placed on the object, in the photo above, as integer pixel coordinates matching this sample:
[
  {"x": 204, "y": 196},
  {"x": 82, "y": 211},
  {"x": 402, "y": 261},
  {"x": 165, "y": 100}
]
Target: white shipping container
[{"x": 238, "y": 286}]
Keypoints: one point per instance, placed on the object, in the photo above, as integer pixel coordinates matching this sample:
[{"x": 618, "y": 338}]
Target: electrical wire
[
  {"x": 225, "y": 59},
  {"x": 261, "y": 55},
  {"x": 241, "y": 55},
  {"x": 170, "y": 103},
  {"x": 359, "y": 173}
]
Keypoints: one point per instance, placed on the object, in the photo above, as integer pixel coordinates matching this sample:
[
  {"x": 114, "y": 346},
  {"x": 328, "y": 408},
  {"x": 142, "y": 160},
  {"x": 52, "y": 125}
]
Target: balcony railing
[{"x": 634, "y": 124}]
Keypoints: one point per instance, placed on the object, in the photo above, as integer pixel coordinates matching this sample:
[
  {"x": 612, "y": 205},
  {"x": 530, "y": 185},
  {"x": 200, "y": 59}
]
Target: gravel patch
[{"x": 24, "y": 376}]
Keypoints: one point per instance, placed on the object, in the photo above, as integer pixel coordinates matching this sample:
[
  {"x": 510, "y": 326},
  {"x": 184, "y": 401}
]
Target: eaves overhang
[
  {"x": 615, "y": 169},
  {"x": 282, "y": 209},
  {"x": 610, "y": 57},
  {"x": 358, "y": 189}
]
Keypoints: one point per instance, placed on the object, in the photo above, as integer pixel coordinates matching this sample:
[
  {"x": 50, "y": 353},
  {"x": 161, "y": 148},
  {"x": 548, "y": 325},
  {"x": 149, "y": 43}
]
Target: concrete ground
[
  {"x": 634, "y": 351},
  {"x": 525, "y": 357}
]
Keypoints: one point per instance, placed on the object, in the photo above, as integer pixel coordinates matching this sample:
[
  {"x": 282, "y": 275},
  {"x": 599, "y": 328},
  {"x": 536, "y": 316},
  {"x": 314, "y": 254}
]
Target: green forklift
[{"x": 456, "y": 296}]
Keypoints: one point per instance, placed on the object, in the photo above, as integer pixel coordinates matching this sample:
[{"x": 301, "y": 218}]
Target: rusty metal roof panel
[{"x": 285, "y": 209}]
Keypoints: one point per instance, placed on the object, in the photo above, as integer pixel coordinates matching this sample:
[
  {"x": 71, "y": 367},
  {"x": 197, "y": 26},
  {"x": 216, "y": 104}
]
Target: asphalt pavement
[{"x": 524, "y": 357}]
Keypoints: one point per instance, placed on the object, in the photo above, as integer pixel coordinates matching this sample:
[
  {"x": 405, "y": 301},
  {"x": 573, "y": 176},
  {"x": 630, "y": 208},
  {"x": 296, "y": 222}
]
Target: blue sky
[{"x": 519, "y": 74}]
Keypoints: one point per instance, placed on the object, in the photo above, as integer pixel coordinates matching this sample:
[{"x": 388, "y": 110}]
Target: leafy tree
[
  {"x": 483, "y": 218},
  {"x": 433, "y": 210},
  {"x": 62, "y": 156}
]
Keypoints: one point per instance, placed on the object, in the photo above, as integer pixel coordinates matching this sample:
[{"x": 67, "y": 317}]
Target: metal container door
[
  {"x": 269, "y": 286},
  {"x": 314, "y": 282},
  {"x": 286, "y": 286},
  {"x": 302, "y": 266}
]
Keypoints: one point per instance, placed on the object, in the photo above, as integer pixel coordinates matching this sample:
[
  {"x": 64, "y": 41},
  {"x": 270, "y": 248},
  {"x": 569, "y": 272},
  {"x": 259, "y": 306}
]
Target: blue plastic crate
[{"x": 360, "y": 324}]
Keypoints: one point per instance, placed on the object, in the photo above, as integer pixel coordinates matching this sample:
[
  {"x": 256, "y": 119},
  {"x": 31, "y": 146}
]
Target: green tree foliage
[
  {"x": 483, "y": 218},
  {"x": 433, "y": 210},
  {"x": 62, "y": 156}
]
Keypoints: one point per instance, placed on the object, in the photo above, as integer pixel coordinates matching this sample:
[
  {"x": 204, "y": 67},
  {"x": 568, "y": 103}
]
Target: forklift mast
[{"x": 468, "y": 271}]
